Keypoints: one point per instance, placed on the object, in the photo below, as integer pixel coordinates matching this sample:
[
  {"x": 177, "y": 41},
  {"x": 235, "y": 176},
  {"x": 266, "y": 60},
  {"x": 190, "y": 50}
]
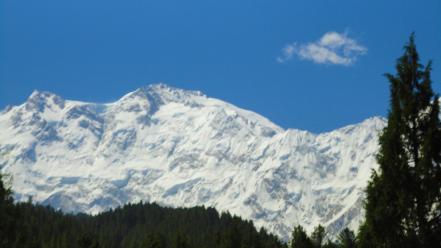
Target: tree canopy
[{"x": 404, "y": 195}]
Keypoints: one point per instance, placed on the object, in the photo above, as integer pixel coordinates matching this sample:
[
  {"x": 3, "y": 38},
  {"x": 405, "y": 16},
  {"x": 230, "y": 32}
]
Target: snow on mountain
[{"x": 182, "y": 148}]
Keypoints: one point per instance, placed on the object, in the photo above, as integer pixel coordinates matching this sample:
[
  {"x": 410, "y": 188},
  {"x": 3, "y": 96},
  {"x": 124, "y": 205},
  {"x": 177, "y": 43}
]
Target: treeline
[
  {"x": 300, "y": 239},
  {"x": 134, "y": 225},
  {"x": 144, "y": 225}
]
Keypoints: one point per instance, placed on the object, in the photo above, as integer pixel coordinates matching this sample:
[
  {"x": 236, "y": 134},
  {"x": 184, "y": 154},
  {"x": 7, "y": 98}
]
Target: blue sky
[{"x": 314, "y": 65}]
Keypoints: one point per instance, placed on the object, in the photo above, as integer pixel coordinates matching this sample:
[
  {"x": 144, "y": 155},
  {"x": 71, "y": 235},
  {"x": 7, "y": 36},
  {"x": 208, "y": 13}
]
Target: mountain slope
[{"x": 181, "y": 148}]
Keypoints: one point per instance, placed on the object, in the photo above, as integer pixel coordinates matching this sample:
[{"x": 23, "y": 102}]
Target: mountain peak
[
  {"x": 155, "y": 95},
  {"x": 39, "y": 100},
  {"x": 36, "y": 94},
  {"x": 168, "y": 92},
  {"x": 158, "y": 87}
]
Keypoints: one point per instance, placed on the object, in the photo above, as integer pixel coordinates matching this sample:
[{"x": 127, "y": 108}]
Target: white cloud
[{"x": 332, "y": 48}]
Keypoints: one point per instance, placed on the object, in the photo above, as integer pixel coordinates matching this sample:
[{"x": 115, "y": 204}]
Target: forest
[{"x": 133, "y": 225}]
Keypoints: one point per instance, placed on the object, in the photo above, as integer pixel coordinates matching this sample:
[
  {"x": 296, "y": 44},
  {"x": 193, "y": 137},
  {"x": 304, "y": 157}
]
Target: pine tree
[
  {"x": 300, "y": 239},
  {"x": 330, "y": 244},
  {"x": 179, "y": 241},
  {"x": 346, "y": 239},
  {"x": 153, "y": 240},
  {"x": 403, "y": 205},
  {"x": 318, "y": 236},
  {"x": 8, "y": 215},
  {"x": 87, "y": 240}
]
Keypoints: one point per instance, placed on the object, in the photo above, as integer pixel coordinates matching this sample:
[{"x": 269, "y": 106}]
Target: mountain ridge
[{"x": 182, "y": 148}]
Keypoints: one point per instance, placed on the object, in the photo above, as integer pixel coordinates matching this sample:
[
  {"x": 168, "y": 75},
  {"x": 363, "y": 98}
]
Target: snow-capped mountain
[{"x": 182, "y": 148}]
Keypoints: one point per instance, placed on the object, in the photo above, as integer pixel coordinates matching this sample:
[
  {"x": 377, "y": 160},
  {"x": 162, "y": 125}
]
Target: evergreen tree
[
  {"x": 318, "y": 236},
  {"x": 403, "y": 205},
  {"x": 7, "y": 215},
  {"x": 330, "y": 244},
  {"x": 87, "y": 240},
  {"x": 180, "y": 241},
  {"x": 153, "y": 240},
  {"x": 346, "y": 239},
  {"x": 300, "y": 239}
]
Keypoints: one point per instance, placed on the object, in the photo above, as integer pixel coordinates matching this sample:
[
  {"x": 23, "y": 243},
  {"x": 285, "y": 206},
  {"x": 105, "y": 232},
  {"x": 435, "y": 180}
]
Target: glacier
[{"x": 181, "y": 148}]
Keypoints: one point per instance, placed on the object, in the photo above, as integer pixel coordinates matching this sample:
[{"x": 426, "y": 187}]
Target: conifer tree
[
  {"x": 330, "y": 244},
  {"x": 153, "y": 240},
  {"x": 7, "y": 215},
  {"x": 318, "y": 236},
  {"x": 346, "y": 239},
  {"x": 300, "y": 239},
  {"x": 403, "y": 197}
]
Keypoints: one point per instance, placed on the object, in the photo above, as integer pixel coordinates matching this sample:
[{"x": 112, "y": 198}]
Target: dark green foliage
[
  {"x": 88, "y": 240},
  {"x": 134, "y": 225},
  {"x": 138, "y": 225},
  {"x": 330, "y": 244},
  {"x": 180, "y": 241},
  {"x": 346, "y": 239},
  {"x": 403, "y": 207},
  {"x": 7, "y": 215},
  {"x": 300, "y": 239},
  {"x": 153, "y": 240},
  {"x": 317, "y": 236}
]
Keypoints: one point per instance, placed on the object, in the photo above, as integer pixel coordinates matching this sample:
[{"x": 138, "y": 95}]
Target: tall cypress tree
[{"x": 403, "y": 205}]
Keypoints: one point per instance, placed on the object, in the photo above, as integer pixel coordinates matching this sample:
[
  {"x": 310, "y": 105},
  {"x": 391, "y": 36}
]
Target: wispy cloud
[{"x": 332, "y": 48}]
